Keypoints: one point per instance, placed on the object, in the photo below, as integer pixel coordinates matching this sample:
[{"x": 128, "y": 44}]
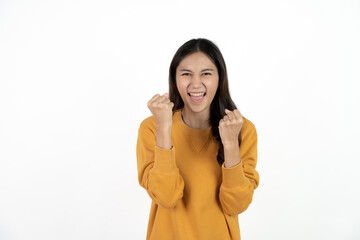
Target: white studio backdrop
[{"x": 75, "y": 77}]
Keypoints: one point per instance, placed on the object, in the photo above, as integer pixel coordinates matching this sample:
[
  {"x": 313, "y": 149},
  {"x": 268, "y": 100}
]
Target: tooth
[{"x": 197, "y": 94}]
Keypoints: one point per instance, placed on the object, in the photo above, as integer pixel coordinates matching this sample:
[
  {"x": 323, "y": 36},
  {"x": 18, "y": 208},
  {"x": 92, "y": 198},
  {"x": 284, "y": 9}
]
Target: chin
[{"x": 198, "y": 109}]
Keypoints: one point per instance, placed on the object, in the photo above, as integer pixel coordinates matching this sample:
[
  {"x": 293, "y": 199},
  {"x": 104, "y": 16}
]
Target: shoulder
[
  {"x": 148, "y": 125},
  {"x": 248, "y": 128}
]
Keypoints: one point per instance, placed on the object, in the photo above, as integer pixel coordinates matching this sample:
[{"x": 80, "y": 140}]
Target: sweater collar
[{"x": 186, "y": 129}]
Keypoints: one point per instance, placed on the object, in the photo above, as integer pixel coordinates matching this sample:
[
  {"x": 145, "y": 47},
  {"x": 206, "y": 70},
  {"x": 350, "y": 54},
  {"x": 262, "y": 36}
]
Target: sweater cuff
[
  {"x": 164, "y": 159},
  {"x": 233, "y": 176}
]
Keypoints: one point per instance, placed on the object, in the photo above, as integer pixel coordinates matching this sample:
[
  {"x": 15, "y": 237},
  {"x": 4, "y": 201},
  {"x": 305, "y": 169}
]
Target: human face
[{"x": 197, "y": 80}]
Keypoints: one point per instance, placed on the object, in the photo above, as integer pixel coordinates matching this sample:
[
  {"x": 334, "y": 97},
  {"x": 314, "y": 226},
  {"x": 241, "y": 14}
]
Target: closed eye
[{"x": 185, "y": 74}]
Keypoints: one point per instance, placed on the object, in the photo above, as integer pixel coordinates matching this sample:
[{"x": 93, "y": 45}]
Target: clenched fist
[
  {"x": 161, "y": 109},
  {"x": 230, "y": 126}
]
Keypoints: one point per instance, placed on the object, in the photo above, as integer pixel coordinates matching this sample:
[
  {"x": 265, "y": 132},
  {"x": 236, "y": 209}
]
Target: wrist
[
  {"x": 231, "y": 144},
  {"x": 163, "y": 127},
  {"x": 163, "y": 137}
]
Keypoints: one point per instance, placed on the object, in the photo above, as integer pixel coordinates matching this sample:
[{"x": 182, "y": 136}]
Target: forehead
[{"x": 196, "y": 61}]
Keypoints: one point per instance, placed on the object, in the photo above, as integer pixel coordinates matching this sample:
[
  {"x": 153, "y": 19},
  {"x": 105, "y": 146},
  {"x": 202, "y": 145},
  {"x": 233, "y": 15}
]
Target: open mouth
[
  {"x": 197, "y": 97},
  {"x": 197, "y": 94}
]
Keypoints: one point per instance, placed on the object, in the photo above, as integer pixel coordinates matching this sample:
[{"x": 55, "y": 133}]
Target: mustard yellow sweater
[{"x": 193, "y": 197}]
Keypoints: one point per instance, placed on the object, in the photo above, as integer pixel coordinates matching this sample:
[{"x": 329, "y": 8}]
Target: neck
[{"x": 198, "y": 120}]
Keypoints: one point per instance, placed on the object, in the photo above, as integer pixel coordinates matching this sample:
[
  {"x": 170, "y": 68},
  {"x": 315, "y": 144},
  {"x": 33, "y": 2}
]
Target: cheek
[
  {"x": 213, "y": 86},
  {"x": 181, "y": 86}
]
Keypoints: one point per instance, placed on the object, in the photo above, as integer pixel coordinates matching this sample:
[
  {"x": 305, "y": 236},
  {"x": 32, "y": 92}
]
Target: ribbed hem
[
  {"x": 233, "y": 176},
  {"x": 164, "y": 159}
]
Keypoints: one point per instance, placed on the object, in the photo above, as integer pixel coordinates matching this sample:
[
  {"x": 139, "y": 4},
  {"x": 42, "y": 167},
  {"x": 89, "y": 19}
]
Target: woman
[{"x": 196, "y": 154}]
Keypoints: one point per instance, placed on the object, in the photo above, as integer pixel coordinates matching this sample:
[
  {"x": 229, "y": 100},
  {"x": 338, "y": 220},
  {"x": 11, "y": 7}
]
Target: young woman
[{"x": 196, "y": 154}]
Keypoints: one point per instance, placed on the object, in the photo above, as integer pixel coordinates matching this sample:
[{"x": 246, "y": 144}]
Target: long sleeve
[
  {"x": 239, "y": 182},
  {"x": 157, "y": 170}
]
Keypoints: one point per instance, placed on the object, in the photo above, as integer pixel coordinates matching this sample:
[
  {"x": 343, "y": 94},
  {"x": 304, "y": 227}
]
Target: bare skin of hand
[
  {"x": 161, "y": 109},
  {"x": 229, "y": 129}
]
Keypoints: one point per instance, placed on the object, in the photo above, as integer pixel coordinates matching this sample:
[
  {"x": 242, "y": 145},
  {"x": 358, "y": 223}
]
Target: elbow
[
  {"x": 166, "y": 194},
  {"x": 232, "y": 205},
  {"x": 169, "y": 203},
  {"x": 167, "y": 200}
]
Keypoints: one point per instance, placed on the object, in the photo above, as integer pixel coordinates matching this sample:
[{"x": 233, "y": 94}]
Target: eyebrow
[{"x": 187, "y": 70}]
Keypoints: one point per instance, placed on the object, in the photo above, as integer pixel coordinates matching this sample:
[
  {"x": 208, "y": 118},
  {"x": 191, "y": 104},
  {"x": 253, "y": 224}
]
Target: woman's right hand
[{"x": 161, "y": 109}]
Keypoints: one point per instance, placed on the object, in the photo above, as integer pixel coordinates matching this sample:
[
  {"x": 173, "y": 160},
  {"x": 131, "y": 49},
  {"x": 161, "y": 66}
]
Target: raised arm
[
  {"x": 239, "y": 176},
  {"x": 157, "y": 170}
]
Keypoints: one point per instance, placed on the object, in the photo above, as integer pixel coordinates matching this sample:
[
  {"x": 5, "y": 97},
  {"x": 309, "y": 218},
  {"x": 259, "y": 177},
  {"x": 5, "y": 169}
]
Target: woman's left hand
[{"x": 230, "y": 126}]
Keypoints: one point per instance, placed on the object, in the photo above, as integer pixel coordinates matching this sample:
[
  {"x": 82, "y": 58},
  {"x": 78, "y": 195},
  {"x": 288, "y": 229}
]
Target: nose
[{"x": 196, "y": 81}]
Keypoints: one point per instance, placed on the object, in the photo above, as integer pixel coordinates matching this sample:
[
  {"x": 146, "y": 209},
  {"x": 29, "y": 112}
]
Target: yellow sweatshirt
[{"x": 193, "y": 197}]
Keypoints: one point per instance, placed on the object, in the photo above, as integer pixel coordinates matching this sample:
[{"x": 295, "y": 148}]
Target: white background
[{"x": 75, "y": 77}]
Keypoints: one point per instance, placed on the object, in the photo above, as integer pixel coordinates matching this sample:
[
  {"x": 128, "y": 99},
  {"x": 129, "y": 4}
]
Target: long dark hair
[{"x": 222, "y": 99}]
